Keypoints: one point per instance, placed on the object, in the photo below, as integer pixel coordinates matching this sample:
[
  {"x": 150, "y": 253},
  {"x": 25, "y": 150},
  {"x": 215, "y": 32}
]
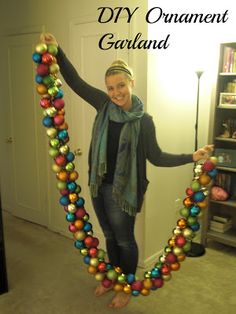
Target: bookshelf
[{"x": 224, "y": 139}]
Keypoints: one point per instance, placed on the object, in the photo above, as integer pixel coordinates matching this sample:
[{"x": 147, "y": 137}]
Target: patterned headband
[{"x": 118, "y": 68}]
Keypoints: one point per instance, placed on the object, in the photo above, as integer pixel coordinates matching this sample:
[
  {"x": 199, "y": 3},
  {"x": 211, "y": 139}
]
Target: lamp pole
[
  {"x": 197, "y": 249},
  {"x": 199, "y": 74}
]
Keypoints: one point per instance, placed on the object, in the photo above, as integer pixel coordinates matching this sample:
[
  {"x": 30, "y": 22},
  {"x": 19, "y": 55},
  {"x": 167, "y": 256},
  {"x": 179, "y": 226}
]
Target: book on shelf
[
  {"x": 229, "y": 60},
  {"x": 221, "y": 226},
  {"x": 221, "y": 218}
]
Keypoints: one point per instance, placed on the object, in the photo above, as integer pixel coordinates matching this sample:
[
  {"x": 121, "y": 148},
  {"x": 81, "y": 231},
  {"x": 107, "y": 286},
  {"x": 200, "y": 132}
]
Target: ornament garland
[{"x": 48, "y": 86}]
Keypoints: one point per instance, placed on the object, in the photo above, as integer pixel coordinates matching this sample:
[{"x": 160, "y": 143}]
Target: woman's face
[{"x": 119, "y": 89}]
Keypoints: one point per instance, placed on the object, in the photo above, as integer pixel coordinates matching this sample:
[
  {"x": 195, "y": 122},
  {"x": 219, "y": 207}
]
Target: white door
[
  {"x": 91, "y": 62},
  {"x": 23, "y": 145}
]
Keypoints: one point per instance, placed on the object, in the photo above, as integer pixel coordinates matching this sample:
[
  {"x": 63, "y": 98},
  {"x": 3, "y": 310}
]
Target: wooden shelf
[
  {"x": 225, "y": 139},
  {"x": 228, "y": 238},
  {"x": 226, "y": 168},
  {"x": 226, "y": 107},
  {"x": 227, "y": 74},
  {"x": 229, "y": 203}
]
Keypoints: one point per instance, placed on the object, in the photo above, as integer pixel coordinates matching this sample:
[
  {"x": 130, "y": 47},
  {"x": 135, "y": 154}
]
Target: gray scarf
[{"x": 125, "y": 176}]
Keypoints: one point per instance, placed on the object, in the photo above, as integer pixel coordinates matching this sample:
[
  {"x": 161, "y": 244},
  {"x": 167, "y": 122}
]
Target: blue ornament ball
[
  {"x": 130, "y": 278},
  {"x": 70, "y": 217},
  {"x": 80, "y": 202},
  {"x": 87, "y": 227},
  {"x": 63, "y": 134},
  {"x": 87, "y": 260},
  {"x": 36, "y": 57},
  {"x": 38, "y": 79},
  {"x": 198, "y": 196},
  {"x": 70, "y": 157},
  {"x": 79, "y": 244},
  {"x": 48, "y": 121},
  {"x": 64, "y": 201},
  {"x": 195, "y": 210},
  {"x": 71, "y": 186},
  {"x": 135, "y": 293},
  {"x": 155, "y": 272},
  {"x": 195, "y": 227},
  {"x": 108, "y": 267},
  {"x": 59, "y": 94},
  {"x": 213, "y": 173}
]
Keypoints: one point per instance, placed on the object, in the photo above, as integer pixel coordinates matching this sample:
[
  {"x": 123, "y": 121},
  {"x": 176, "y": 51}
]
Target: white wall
[{"x": 172, "y": 91}]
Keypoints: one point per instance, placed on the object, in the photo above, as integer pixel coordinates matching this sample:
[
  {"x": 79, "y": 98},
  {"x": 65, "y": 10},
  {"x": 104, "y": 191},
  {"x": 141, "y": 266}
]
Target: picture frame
[{"x": 227, "y": 100}]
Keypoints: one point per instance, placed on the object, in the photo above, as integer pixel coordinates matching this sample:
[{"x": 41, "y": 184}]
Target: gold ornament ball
[
  {"x": 79, "y": 235},
  {"x": 118, "y": 287},
  {"x": 127, "y": 289},
  {"x": 145, "y": 292},
  {"x": 99, "y": 276},
  {"x": 64, "y": 149},
  {"x": 94, "y": 261},
  {"x": 56, "y": 168}
]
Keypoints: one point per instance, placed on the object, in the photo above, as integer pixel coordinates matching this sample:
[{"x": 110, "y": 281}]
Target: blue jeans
[{"x": 118, "y": 229}]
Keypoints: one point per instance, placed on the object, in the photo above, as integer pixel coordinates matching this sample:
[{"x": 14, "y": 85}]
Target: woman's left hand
[{"x": 203, "y": 153}]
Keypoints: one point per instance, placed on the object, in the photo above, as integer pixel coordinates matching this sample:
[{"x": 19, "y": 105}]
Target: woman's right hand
[{"x": 48, "y": 38}]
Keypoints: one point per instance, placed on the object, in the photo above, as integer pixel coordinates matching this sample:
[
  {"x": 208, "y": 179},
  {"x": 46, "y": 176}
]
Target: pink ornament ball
[
  {"x": 72, "y": 228},
  {"x": 42, "y": 69},
  {"x": 45, "y": 103},
  {"x": 107, "y": 283},
  {"x": 208, "y": 165},
  {"x": 59, "y": 103}
]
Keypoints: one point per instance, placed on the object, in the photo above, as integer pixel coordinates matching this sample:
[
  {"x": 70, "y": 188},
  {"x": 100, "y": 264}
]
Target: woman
[{"x": 123, "y": 139}]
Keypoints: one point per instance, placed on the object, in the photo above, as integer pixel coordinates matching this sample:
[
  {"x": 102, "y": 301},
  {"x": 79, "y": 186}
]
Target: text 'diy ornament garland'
[{"x": 49, "y": 89}]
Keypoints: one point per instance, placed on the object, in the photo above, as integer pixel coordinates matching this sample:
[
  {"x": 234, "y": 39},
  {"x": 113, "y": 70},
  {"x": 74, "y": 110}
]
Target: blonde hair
[{"x": 120, "y": 66}]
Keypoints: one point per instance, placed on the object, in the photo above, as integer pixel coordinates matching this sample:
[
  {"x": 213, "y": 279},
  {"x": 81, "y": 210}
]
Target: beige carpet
[{"x": 47, "y": 276}]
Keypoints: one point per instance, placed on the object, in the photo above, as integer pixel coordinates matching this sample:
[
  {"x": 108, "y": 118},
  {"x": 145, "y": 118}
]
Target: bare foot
[
  {"x": 100, "y": 290},
  {"x": 120, "y": 300}
]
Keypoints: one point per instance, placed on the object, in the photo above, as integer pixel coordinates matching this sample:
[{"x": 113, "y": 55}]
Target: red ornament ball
[
  {"x": 88, "y": 241},
  {"x": 58, "y": 119},
  {"x": 171, "y": 258},
  {"x": 208, "y": 165},
  {"x": 189, "y": 191},
  {"x": 95, "y": 242},
  {"x": 157, "y": 282},
  {"x": 180, "y": 241},
  {"x": 102, "y": 267},
  {"x": 80, "y": 213},
  {"x": 59, "y": 103},
  {"x": 93, "y": 252},
  {"x": 42, "y": 69},
  {"x": 60, "y": 160},
  {"x": 47, "y": 58},
  {"x": 137, "y": 285}
]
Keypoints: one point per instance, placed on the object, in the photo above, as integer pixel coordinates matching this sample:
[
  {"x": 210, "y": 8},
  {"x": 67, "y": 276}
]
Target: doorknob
[
  {"x": 9, "y": 140},
  {"x": 78, "y": 152}
]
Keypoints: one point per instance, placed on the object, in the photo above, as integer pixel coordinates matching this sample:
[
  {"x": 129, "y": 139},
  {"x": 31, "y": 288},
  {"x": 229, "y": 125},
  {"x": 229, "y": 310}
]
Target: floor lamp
[{"x": 197, "y": 249}]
